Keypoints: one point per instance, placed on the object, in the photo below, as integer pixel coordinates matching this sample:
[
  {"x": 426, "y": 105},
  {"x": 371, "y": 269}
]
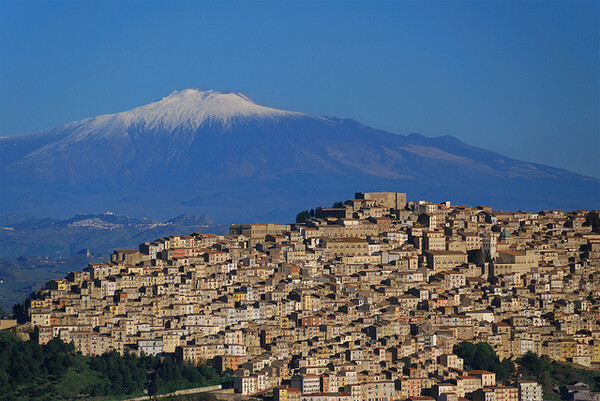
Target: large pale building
[
  {"x": 514, "y": 262},
  {"x": 396, "y": 200},
  {"x": 434, "y": 240},
  {"x": 349, "y": 246},
  {"x": 258, "y": 230},
  {"x": 445, "y": 260},
  {"x": 530, "y": 391}
]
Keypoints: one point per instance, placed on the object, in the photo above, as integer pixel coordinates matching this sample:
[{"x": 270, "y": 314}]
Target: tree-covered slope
[{"x": 29, "y": 371}]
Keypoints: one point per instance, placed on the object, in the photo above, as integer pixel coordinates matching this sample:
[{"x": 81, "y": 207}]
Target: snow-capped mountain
[
  {"x": 223, "y": 155},
  {"x": 188, "y": 109}
]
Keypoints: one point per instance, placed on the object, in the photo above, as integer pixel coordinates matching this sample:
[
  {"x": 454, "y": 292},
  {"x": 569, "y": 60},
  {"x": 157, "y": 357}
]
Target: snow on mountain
[
  {"x": 185, "y": 110},
  {"x": 190, "y": 108}
]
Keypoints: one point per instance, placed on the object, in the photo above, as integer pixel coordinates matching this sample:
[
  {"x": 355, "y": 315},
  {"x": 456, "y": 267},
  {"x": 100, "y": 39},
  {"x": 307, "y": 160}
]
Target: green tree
[
  {"x": 338, "y": 204},
  {"x": 31, "y": 371},
  {"x": 593, "y": 219},
  {"x": 482, "y": 356},
  {"x": 302, "y": 216},
  {"x": 19, "y": 313},
  {"x": 539, "y": 367}
]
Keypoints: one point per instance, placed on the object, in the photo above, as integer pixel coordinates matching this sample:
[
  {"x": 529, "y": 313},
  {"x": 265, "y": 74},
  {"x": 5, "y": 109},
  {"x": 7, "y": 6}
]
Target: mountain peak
[
  {"x": 188, "y": 110},
  {"x": 207, "y": 95},
  {"x": 191, "y": 108}
]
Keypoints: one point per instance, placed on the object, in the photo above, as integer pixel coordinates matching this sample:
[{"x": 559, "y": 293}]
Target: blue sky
[{"x": 519, "y": 78}]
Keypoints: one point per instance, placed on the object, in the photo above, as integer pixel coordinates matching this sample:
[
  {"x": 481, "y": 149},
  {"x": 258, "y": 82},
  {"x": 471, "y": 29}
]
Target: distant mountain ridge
[
  {"x": 192, "y": 221},
  {"x": 99, "y": 233},
  {"x": 109, "y": 220},
  {"x": 34, "y": 250},
  {"x": 221, "y": 154}
]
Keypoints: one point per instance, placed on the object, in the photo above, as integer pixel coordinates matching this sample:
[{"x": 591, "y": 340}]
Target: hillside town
[{"x": 363, "y": 301}]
